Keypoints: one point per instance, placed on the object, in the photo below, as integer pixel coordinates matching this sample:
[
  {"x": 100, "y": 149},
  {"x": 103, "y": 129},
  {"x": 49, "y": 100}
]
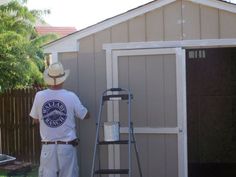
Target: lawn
[{"x": 32, "y": 173}]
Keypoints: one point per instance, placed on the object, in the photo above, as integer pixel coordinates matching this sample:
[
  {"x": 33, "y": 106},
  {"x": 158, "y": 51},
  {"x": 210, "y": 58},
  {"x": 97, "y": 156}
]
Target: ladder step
[
  {"x": 112, "y": 171},
  {"x": 114, "y": 142},
  {"x": 117, "y": 97}
]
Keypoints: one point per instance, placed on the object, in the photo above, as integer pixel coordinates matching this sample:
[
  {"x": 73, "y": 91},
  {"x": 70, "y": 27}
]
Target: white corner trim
[
  {"x": 217, "y": 4},
  {"x": 170, "y": 44}
]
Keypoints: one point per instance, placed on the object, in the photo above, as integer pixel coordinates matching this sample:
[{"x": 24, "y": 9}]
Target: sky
[{"x": 82, "y": 13}]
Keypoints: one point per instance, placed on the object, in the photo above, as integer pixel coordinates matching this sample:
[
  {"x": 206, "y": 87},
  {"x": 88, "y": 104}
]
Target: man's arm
[{"x": 35, "y": 121}]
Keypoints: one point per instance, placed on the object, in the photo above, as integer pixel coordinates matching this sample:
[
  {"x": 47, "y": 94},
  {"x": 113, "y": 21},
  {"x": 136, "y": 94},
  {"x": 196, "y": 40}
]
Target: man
[{"x": 55, "y": 110}]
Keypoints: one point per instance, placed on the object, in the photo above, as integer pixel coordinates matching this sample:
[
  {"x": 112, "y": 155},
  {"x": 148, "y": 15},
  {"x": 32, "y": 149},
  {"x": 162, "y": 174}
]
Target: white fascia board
[
  {"x": 170, "y": 44},
  {"x": 111, "y": 22},
  {"x": 217, "y": 4},
  {"x": 71, "y": 45},
  {"x": 124, "y": 17}
]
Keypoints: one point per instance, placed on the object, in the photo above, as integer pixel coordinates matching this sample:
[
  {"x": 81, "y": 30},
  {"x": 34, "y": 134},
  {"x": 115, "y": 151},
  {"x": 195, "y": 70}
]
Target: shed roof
[{"x": 74, "y": 37}]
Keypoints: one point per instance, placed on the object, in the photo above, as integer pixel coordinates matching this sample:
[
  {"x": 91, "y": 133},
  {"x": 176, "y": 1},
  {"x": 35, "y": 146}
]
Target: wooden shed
[{"x": 178, "y": 58}]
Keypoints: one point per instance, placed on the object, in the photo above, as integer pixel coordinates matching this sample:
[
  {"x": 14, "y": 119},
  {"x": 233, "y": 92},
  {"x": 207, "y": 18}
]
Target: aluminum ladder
[{"x": 114, "y": 94}]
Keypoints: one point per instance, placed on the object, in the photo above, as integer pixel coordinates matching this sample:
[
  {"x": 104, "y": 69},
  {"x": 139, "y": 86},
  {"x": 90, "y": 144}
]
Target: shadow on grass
[{"x": 32, "y": 173}]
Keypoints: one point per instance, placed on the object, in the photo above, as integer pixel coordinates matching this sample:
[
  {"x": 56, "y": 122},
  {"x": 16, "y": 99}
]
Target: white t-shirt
[{"x": 56, "y": 111}]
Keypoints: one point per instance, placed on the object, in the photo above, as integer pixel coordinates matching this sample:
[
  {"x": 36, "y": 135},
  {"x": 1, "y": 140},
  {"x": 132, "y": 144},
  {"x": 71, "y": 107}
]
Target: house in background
[
  {"x": 44, "y": 28},
  {"x": 4, "y": 2},
  {"x": 60, "y": 31},
  {"x": 178, "y": 58}
]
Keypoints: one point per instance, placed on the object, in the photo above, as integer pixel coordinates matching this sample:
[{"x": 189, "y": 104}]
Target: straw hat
[{"x": 55, "y": 74}]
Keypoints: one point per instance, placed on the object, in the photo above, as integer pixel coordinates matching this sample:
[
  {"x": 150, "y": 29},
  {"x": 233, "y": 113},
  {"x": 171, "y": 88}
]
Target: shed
[{"x": 178, "y": 58}]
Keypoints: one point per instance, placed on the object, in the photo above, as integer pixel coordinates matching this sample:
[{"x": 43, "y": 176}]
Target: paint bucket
[{"x": 111, "y": 131}]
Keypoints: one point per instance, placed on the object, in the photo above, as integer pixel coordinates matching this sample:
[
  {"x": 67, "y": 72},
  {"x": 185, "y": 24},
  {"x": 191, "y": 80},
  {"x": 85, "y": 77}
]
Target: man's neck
[{"x": 56, "y": 87}]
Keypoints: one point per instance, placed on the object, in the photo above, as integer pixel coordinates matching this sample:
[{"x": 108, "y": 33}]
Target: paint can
[{"x": 111, "y": 131}]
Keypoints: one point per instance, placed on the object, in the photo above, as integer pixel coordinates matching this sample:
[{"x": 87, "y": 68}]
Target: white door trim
[
  {"x": 113, "y": 109},
  {"x": 182, "y": 111},
  {"x": 172, "y": 44}
]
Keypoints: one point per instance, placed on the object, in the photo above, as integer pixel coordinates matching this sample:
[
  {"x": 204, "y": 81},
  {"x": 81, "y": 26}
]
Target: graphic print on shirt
[{"x": 54, "y": 113}]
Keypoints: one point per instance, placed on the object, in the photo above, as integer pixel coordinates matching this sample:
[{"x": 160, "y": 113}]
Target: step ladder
[{"x": 115, "y": 94}]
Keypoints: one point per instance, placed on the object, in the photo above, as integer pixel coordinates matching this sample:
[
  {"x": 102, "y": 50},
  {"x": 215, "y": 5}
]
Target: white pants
[{"x": 58, "y": 161}]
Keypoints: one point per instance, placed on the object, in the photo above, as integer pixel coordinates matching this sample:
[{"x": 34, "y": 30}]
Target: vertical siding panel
[
  {"x": 100, "y": 64},
  {"x": 191, "y": 20},
  {"x": 157, "y": 158},
  {"x": 124, "y": 153},
  {"x": 170, "y": 91},
  {"x": 69, "y": 61},
  {"x": 119, "y": 33},
  {"x": 137, "y": 31},
  {"x": 172, "y": 21},
  {"x": 100, "y": 61},
  {"x": 137, "y": 80},
  {"x": 155, "y": 25},
  {"x": 142, "y": 143},
  {"x": 171, "y": 156},
  {"x": 86, "y": 75},
  {"x": 227, "y": 24},
  {"x": 209, "y": 23},
  {"x": 155, "y": 91},
  {"x": 100, "y": 77},
  {"x": 123, "y": 80}
]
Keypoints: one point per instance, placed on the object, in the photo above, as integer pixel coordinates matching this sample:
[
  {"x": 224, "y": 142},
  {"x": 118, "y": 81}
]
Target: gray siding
[
  {"x": 172, "y": 22},
  {"x": 152, "y": 81},
  {"x": 69, "y": 61}
]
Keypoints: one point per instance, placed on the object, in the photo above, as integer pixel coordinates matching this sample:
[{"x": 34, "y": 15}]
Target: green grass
[{"x": 32, "y": 173}]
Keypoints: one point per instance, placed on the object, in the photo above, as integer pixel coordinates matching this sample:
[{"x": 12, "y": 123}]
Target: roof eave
[
  {"x": 136, "y": 12},
  {"x": 114, "y": 20}
]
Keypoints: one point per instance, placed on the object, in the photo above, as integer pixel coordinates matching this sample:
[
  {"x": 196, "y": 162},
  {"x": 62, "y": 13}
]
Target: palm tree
[{"x": 21, "y": 56}]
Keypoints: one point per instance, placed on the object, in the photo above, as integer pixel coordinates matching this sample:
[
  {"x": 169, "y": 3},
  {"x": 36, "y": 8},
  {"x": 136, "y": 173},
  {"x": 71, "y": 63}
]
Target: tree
[{"x": 21, "y": 57}]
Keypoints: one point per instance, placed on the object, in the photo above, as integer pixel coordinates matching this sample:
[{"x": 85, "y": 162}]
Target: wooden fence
[{"x": 18, "y": 136}]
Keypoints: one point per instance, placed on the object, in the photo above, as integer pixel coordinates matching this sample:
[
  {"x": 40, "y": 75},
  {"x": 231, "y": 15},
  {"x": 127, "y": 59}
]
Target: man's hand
[
  {"x": 87, "y": 116},
  {"x": 35, "y": 121}
]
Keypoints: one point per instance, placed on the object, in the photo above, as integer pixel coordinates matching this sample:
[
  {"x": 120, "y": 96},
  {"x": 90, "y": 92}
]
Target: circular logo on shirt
[{"x": 54, "y": 113}]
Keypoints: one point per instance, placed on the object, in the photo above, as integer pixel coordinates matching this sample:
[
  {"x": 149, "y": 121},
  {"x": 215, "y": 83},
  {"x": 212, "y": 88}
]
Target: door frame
[{"x": 112, "y": 57}]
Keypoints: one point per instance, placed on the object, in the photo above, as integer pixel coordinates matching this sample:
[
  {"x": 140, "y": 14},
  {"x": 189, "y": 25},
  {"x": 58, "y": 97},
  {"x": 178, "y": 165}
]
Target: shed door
[{"x": 156, "y": 77}]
